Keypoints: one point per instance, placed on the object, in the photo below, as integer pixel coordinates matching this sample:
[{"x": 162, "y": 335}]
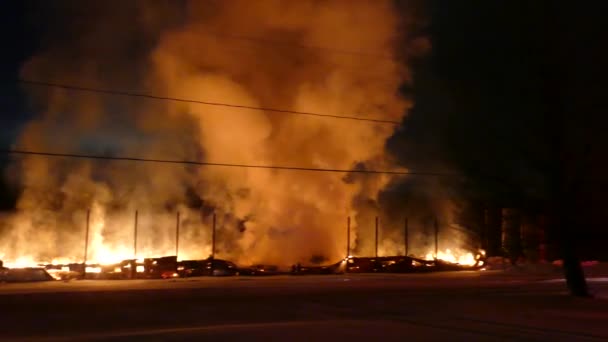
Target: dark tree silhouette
[{"x": 511, "y": 96}]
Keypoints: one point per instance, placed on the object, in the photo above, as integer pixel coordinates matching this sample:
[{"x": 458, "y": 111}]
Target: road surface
[{"x": 463, "y": 306}]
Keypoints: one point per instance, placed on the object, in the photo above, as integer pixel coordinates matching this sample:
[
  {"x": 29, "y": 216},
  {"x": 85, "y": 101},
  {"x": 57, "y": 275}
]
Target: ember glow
[
  {"x": 93, "y": 269},
  {"x": 20, "y": 262},
  {"x": 455, "y": 257},
  {"x": 263, "y": 216}
]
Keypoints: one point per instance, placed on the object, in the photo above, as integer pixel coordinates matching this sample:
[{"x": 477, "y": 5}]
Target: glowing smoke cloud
[{"x": 199, "y": 52}]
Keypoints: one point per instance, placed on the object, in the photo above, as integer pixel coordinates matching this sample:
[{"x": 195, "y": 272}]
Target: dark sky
[
  {"x": 19, "y": 42},
  {"x": 504, "y": 78},
  {"x": 513, "y": 96}
]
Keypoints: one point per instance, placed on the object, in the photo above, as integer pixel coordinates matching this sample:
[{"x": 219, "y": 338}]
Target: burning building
[{"x": 256, "y": 70}]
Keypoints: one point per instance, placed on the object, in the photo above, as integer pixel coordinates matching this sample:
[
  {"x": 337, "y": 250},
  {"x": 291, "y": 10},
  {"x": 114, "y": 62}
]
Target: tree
[{"x": 511, "y": 97}]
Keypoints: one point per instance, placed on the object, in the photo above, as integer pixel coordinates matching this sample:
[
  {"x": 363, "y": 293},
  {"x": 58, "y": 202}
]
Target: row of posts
[
  {"x": 405, "y": 237},
  {"x": 177, "y": 226},
  {"x": 213, "y": 231}
]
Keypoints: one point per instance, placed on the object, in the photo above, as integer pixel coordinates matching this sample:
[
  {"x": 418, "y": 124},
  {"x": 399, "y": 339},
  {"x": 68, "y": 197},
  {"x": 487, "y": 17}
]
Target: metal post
[
  {"x": 213, "y": 239},
  {"x": 376, "y": 248},
  {"x": 405, "y": 237},
  {"x": 348, "y": 236},
  {"x": 436, "y": 238},
  {"x": 177, "y": 237},
  {"x": 484, "y": 230},
  {"x": 135, "y": 237},
  {"x": 542, "y": 249},
  {"x": 86, "y": 244}
]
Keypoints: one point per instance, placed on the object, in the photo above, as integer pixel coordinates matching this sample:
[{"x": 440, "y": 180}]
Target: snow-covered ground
[{"x": 494, "y": 305}]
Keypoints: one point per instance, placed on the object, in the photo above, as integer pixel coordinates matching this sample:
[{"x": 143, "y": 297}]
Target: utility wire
[
  {"x": 249, "y": 166},
  {"x": 207, "y": 103}
]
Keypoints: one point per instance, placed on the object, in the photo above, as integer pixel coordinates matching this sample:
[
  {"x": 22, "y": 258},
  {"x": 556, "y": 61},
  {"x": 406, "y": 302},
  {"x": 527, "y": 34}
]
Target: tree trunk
[
  {"x": 573, "y": 271},
  {"x": 556, "y": 71},
  {"x": 575, "y": 277}
]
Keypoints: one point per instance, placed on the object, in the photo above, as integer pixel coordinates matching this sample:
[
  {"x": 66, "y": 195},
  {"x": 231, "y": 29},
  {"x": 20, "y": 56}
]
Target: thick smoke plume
[{"x": 335, "y": 57}]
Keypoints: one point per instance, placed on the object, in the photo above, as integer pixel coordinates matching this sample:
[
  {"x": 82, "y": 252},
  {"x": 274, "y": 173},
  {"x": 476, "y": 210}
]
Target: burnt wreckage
[{"x": 169, "y": 267}]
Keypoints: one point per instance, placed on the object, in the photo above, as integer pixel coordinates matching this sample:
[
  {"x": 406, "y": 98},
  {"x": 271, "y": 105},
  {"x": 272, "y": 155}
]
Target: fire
[
  {"x": 21, "y": 262},
  {"x": 93, "y": 269},
  {"x": 461, "y": 258},
  {"x": 108, "y": 256},
  {"x": 60, "y": 261},
  {"x": 265, "y": 215}
]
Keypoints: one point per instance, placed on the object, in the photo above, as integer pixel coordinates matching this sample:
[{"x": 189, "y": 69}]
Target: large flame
[
  {"x": 340, "y": 58},
  {"x": 456, "y": 257}
]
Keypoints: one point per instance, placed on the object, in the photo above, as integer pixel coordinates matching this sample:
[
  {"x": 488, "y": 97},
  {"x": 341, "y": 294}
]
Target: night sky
[
  {"x": 19, "y": 41},
  {"x": 513, "y": 96},
  {"x": 505, "y": 84}
]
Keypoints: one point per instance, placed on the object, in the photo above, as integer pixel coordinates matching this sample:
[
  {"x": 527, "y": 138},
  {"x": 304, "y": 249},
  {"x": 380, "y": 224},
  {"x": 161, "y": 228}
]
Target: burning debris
[
  {"x": 393, "y": 264},
  {"x": 460, "y": 258},
  {"x": 169, "y": 267}
]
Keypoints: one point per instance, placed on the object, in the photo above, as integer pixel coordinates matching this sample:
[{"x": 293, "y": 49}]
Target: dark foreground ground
[{"x": 465, "y": 306}]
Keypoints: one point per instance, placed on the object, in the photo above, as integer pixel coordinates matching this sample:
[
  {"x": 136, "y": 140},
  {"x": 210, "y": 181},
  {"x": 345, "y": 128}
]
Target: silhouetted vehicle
[
  {"x": 327, "y": 269},
  {"x": 3, "y": 271},
  {"x": 363, "y": 265},
  {"x": 29, "y": 274},
  {"x": 165, "y": 267},
  {"x": 224, "y": 268},
  {"x": 391, "y": 264},
  {"x": 192, "y": 268},
  {"x": 259, "y": 270},
  {"x": 169, "y": 274},
  {"x": 398, "y": 265},
  {"x": 208, "y": 267}
]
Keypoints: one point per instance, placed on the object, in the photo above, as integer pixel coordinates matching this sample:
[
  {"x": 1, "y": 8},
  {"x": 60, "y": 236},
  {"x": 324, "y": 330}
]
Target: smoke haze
[{"x": 336, "y": 57}]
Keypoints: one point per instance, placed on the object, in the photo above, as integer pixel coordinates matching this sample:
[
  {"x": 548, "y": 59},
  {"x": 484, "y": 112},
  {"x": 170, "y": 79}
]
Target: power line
[
  {"x": 207, "y": 103},
  {"x": 250, "y": 166}
]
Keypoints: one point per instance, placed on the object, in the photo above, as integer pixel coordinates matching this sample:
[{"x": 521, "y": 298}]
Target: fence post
[
  {"x": 348, "y": 236},
  {"x": 86, "y": 245},
  {"x": 376, "y": 246},
  {"x": 177, "y": 237},
  {"x": 406, "y": 237},
  {"x": 436, "y": 238},
  {"x": 213, "y": 239},
  {"x": 135, "y": 236}
]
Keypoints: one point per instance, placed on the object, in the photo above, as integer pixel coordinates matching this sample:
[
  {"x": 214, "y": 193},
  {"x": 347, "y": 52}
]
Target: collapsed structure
[{"x": 169, "y": 267}]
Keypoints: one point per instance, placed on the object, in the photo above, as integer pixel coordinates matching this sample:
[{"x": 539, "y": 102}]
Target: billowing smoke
[{"x": 336, "y": 57}]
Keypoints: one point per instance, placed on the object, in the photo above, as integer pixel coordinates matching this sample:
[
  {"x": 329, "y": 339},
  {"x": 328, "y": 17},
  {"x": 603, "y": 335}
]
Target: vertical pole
[
  {"x": 213, "y": 239},
  {"x": 212, "y": 257},
  {"x": 484, "y": 230},
  {"x": 135, "y": 237},
  {"x": 177, "y": 237},
  {"x": 436, "y": 238},
  {"x": 86, "y": 244},
  {"x": 405, "y": 237},
  {"x": 347, "y": 243},
  {"x": 542, "y": 249},
  {"x": 203, "y": 222},
  {"x": 348, "y": 236},
  {"x": 376, "y": 247}
]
